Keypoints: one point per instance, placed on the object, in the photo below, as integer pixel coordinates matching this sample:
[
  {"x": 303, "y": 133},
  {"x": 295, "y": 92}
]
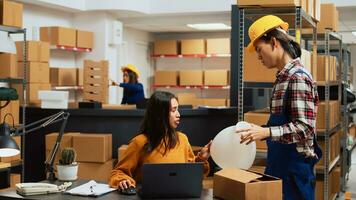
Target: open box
[{"x": 233, "y": 183}]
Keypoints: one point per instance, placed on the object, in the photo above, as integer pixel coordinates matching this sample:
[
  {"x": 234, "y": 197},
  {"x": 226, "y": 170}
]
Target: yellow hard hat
[
  {"x": 132, "y": 68},
  {"x": 263, "y": 25}
]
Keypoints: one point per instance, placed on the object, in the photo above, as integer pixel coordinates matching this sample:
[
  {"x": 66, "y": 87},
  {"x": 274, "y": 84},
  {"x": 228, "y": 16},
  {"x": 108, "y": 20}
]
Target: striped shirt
[{"x": 301, "y": 105}]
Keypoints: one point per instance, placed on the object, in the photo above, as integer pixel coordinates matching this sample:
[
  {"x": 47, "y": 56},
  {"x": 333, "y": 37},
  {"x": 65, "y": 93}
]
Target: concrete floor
[{"x": 351, "y": 183}]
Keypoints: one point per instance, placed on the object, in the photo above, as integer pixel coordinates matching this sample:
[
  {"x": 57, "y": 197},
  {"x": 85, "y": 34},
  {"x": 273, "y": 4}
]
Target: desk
[{"x": 11, "y": 194}]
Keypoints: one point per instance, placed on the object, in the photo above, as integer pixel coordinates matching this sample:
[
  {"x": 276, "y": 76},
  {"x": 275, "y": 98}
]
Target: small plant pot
[{"x": 67, "y": 172}]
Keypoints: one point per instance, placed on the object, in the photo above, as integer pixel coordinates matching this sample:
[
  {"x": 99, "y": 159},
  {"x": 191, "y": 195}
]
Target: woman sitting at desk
[{"x": 157, "y": 142}]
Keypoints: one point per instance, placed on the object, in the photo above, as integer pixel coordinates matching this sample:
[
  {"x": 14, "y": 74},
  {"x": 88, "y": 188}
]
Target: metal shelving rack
[{"x": 10, "y": 31}]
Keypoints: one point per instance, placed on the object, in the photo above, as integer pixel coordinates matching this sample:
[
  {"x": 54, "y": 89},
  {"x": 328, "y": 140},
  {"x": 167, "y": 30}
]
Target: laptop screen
[{"x": 172, "y": 180}]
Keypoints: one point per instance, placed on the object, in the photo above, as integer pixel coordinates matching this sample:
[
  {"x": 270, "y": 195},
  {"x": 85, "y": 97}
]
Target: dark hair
[
  {"x": 132, "y": 76},
  {"x": 290, "y": 46},
  {"x": 155, "y": 125}
]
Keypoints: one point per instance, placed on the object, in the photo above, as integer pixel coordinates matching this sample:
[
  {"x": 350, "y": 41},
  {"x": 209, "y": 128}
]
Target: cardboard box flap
[{"x": 238, "y": 175}]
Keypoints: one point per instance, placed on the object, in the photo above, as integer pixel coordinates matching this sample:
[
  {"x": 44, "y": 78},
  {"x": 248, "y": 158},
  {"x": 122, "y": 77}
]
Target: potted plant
[{"x": 67, "y": 168}]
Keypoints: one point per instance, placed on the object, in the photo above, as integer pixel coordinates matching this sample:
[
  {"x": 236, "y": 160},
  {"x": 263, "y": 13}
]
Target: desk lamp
[{"x": 8, "y": 146}]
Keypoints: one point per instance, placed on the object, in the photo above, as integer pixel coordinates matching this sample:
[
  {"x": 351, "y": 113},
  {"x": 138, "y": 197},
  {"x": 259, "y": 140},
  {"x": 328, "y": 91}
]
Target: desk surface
[{"x": 11, "y": 194}]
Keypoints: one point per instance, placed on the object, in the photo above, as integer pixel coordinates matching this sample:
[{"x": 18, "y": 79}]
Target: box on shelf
[
  {"x": 11, "y": 13},
  {"x": 95, "y": 171},
  {"x": 14, "y": 109},
  {"x": 305, "y": 59},
  {"x": 36, "y": 72},
  {"x": 186, "y": 98},
  {"x": 191, "y": 77},
  {"x": 310, "y": 7},
  {"x": 319, "y": 187},
  {"x": 233, "y": 183},
  {"x": 267, "y": 3},
  {"x": 37, "y": 51},
  {"x": 63, "y": 76},
  {"x": 329, "y": 17},
  {"x": 84, "y": 143},
  {"x": 8, "y": 65},
  {"x": 80, "y": 76},
  {"x": 218, "y": 46},
  {"x": 84, "y": 39},
  {"x": 216, "y": 77},
  {"x": 166, "y": 47},
  {"x": 166, "y": 78},
  {"x": 32, "y": 91},
  {"x": 58, "y": 36},
  {"x": 258, "y": 118},
  {"x": 333, "y": 118},
  {"x": 326, "y": 66},
  {"x": 213, "y": 102},
  {"x": 193, "y": 46},
  {"x": 335, "y": 185},
  {"x": 316, "y": 11},
  {"x": 252, "y": 65}
]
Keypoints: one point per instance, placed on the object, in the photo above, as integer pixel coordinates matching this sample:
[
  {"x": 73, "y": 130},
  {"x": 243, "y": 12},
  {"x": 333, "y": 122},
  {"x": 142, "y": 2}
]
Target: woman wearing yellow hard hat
[
  {"x": 133, "y": 90},
  {"x": 290, "y": 131}
]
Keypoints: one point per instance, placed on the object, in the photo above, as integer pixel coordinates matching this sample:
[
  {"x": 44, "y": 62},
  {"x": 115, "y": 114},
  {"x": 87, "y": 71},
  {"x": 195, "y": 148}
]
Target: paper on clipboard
[{"x": 91, "y": 188}]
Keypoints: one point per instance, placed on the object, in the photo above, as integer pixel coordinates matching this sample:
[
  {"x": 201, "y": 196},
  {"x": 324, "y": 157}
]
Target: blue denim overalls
[{"x": 283, "y": 161}]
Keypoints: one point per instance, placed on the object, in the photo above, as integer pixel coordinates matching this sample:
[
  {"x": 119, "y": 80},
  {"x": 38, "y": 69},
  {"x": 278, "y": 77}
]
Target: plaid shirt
[{"x": 301, "y": 106}]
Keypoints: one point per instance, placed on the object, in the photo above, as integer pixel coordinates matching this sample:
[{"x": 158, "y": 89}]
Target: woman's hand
[
  {"x": 204, "y": 153},
  {"x": 124, "y": 184},
  {"x": 253, "y": 133}
]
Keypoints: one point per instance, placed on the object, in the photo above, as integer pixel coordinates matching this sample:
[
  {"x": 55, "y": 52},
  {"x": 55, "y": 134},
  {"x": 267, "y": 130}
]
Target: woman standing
[{"x": 292, "y": 147}]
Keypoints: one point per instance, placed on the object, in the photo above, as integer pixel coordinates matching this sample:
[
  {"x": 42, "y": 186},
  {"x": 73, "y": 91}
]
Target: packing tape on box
[{"x": 227, "y": 151}]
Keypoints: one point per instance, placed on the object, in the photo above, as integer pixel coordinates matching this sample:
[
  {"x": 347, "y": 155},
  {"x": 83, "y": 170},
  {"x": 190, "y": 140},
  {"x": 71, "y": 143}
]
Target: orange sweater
[{"x": 130, "y": 165}]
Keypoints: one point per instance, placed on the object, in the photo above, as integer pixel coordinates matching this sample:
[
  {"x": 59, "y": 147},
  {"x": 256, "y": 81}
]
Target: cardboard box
[
  {"x": 63, "y": 76},
  {"x": 169, "y": 78},
  {"x": 233, "y": 183},
  {"x": 80, "y": 76},
  {"x": 189, "y": 47},
  {"x": 8, "y": 65},
  {"x": 95, "y": 171},
  {"x": 316, "y": 13},
  {"x": 43, "y": 51},
  {"x": 218, "y": 46},
  {"x": 310, "y": 7},
  {"x": 252, "y": 65},
  {"x": 191, "y": 77},
  {"x": 84, "y": 143},
  {"x": 329, "y": 17},
  {"x": 214, "y": 102},
  {"x": 216, "y": 77},
  {"x": 336, "y": 176},
  {"x": 118, "y": 106},
  {"x": 32, "y": 51},
  {"x": 36, "y": 72},
  {"x": 333, "y": 118},
  {"x": 186, "y": 98},
  {"x": 120, "y": 151},
  {"x": 32, "y": 91},
  {"x": 306, "y": 60},
  {"x": 14, "y": 109},
  {"x": 259, "y": 119},
  {"x": 67, "y": 140},
  {"x": 96, "y": 81},
  {"x": 11, "y": 13},
  {"x": 58, "y": 36},
  {"x": 166, "y": 47},
  {"x": 84, "y": 39},
  {"x": 268, "y": 3},
  {"x": 13, "y": 158}
]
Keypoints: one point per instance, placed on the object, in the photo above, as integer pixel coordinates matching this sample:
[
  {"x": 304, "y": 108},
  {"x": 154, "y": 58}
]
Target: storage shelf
[
  {"x": 320, "y": 169},
  {"x": 10, "y": 29},
  {"x": 12, "y": 80},
  {"x": 69, "y": 48},
  {"x": 192, "y": 87},
  {"x": 322, "y": 132},
  {"x": 192, "y": 56},
  {"x": 258, "y": 84},
  {"x": 68, "y": 88}
]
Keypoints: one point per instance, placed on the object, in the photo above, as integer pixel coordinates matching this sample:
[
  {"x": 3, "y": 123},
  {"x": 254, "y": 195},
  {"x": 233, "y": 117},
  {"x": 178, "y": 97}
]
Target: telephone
[{"x": 28, "y": 189}]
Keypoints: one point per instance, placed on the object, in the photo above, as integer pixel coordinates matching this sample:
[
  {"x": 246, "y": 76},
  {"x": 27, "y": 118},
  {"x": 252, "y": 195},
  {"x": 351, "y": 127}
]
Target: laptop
[{"x": 172, "y": 180}]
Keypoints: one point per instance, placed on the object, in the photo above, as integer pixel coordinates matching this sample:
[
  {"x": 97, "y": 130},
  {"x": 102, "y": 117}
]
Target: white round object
[{"x": 227, "y": 151}]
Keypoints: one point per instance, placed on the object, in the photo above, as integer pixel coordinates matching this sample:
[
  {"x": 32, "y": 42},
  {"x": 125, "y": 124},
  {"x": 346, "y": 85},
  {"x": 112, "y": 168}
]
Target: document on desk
[{"x": 91, "y": 188}]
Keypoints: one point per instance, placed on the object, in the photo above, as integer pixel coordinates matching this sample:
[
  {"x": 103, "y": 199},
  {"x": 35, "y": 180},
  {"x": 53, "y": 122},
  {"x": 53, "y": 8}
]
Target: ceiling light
[
  {"x": 353, "y": 33},
  {"x": 210, "y": 26}
]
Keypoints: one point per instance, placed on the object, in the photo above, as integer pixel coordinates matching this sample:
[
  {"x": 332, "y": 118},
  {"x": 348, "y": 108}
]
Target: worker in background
[
  {"x": 133, "y": 90},
  {"x": 157, "y": 142},
  {"x": 291, "y": 128}
]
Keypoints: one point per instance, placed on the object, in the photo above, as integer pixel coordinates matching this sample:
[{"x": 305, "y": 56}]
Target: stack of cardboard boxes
[
  {"x": 96, "y": 81},
  {"x": 98, "y": 159},
  {"x": 37, "y": 57}
]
